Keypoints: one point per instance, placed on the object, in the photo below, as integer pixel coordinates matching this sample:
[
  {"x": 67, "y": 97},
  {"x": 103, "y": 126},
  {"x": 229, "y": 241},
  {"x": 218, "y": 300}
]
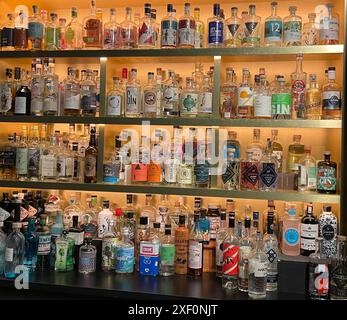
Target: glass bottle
[
  {"x": 307, "y": 176},
  {"x": 328, "y": 230},
  {"x": 22, "y": 101},
  {"x": 189, "y": 104},
  {"x": 290, "y": 245},
  {"x": 130, "y": 223},
  {"x": 115, "y": 99},
  {"x": 313, "y": 99},
  {"x": 233, "y": 143},
  {"x": 87, "y": 258},
  {"x": 104, "y": 219},
  {"x": 61, "y": 34},
  {"x": 73, "y": 32},
  {"x": 34, "y": 155},
  {"x": 48, "y": 161},
  {"x": 91, "y": 158},
  {"x": 195, "y": 249},
  {"x": 65, "y": 163},
  {"x": 206, "y": 98},
  {"x": 124, "y": 253},
  {"x": 133, "y": 96},
  {"x": 329, "y": 26},
  {"x": 14, "y": 251},
  {"x": 295, "y": 153},
  {"x": 310, "y": 31},
  {"x": 147, "y": 36},
  {"x": 186, "y": 29},
  {"x": 318, "y": 285},
  {"x": 262, "y": 100},
  {"x": 142, "y": 234},
  {"x": 88, "y": 94},
  {"x": 7, "y": 94},
  {"x": 31, "y": 245},
  {"x": 181, "y": 246},
  {"x": 35, "y": 30},
  {"x": 292, "y": 26},
  {"x": 72, "y": 94},
  {"x": 268, "y": 169},
  {"x": 7, "y": 34},
  {"x": 331, "y": 97},
  {"x": 199, "y": 30},
  {"x": 150, "y": 97},
  {"x": 251, "y": 29},
  {"x": 327, "y": 175},
  {"x": 8, "y": 160},
  {"x": 298, "y": 90},
  {"x": 37, "y": 90},
  {"x": 215, "y": 28},
  {"x": 22, "y": 156},
  {"x": 281, "y": 100},
  {"x": 308, "y": 232},
  {"x": 112, "y": 34},
  {"x": 76, "y": 232},
  {"x": 256, "y": 146},
  {"x": 273, "y": 28},
  {"x": 249, "y": 173},
  {"x": 231, "y": 174},
  {"x": 3, "y": 238},
  {"x": 92, "y": 31},
  {"x": 50, "y": 93},
  {"x": 44, "y": 246},
  {"x": 167, "y": 254},
  {"x": 233, "y": 30},
  {"x": 64, "y": 260},
  {"x": 169, "y": 29},
  {"x": 109, "y": 244},
  {"x": 229, "y": 95},
  {"x": 171, "y": 96},
  {"x": 52, "y": 33},
  {"x": 338, "y": 284},
  {"x": 20, "y": 32},
  {"x": 129, "y": 31},
  {"x": 245, "y": 96}
]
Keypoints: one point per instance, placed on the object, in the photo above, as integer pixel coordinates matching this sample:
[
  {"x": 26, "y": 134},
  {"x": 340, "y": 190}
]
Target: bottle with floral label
[
  {"x": 338, "y": 285},
  {"x": 251, "y": 29},
  {"x": 73, "y": 33},
  {"x": 124, "y": 252},
  {"x": 189, "y": 104},
  {"x": 310, "y": 31},
  {"x": 233, "y": 30},
  {"x": 245, "y": 96},
  {"x": 292, "y": 28},
  {"x": 169, "y": 29},
  {"x": 329, "y": 26},
  {"x": 186, "y": 29},
  {"x": 328, "y": 230},
  {"x": 35, "y": 30},
  {"x": 200, "y": 29},
  {"x": 229, "y": 95},
  {"x": 273, "y": 29},
  {"x": 327, "y": 175}
]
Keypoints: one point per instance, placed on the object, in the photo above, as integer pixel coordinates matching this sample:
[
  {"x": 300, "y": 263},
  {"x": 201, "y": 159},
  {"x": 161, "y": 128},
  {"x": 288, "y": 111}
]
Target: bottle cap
[
  {"x": 223, "y": 214},
  {"x": 156, "y": 225},
  {"x": 327, "y": 153},
  {"x": 17, "y": 225},
  {"x": 167, "y": 231},
  {"x": 181, "y": 219},
  {"x": 247, "y": 222},
  {"x": 143, "y": 220},
  {"x": 327, "y": 208},
  {"x": 130, "y": 214},
  {"x": 231, "y": 220}
]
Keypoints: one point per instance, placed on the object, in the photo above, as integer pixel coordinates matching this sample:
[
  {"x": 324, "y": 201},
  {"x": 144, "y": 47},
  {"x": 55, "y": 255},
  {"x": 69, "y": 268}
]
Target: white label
[
  {"x": 44, "y": 245},
  {"x": 72, "y": 102},
  {"x": 195, "y": 254},
  {"x": 78, "y": 237},
  {"x": 22, "y": 161},
  {"x": 329, "y": 29},
  {"x": 9, "y": 254},
  {"x": 132, "y": 100},
  {"x": 114, "y": 104},
  {"x": 61, "y": 164},
  {"x": 245, "y": 97},
  {"x": 4, "y": 214},
  {"x": 48, "y": 165},
  {"x": 307, "y": 244},
  {"x": 20, "y": 105},
  {"x": 309, "y": 230},
  {"x": 186, "y": 36},
  {"x": 260, "y": 269},
  {"x": 69, "y": 166},
  {"x": 206, "y": 102},
  {"x": 170, "y": 171},
  {"x": 36, "y": 105},
  {"x": 328, "y": 94},
  {"x": 262, "y": 106},
  {"x": 257, "y": 153},
  {"x": 50, "y": 104},
  {"x": 149, "y": 101},
  {"x": 214, "y": 226}
]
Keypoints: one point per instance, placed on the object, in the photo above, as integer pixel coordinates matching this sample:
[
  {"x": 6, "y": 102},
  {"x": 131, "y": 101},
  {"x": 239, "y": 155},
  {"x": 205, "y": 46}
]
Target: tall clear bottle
[
  {"x": 37, "y": 90},
  {"x": 73, "y": 32},
  {"x": 229, "y": 95},
  {"x": 147, "y": 28},
  {"x": 292, "y": 29},
  {"x": 329, "y": 26},
  {"x": 331, "y": 97},
  {"x": 88, "y": 94},
  {"x": 307, "y": 178},
  {"x": 299, "y": 78},
  {"x": 3, "y": 238},
  {"x": 252, "y": 29},
  {"x": 52, "y": 33},
  {"x": 125, "y": 258},
  {"x": 310, "y": 32},
  {"x": 268, "y": 171},
  {"x": 115, "y": 99},
  {"x": 112, "y": 34},
  {"x": 273, "y": 29},
  {"x": 92, "y": 29},
  {"x": 215, "y": 25},
  {"x": 171, "y": 96},
  {"x": 262, "y": 99},
  {"x": 50, "y": 93},
  {"x": 313, "y": 99},
  {"x": 189, "y": 100},
  {"x": 150, "y": 97},
  {"x": 35, "y": 30},
  {"x": 281, "y": 100},
  {"x": 167, "y": 254},
  {"x": 91, "y": 158},
  {"x": 34, "y": 152},
  {"x": 296, "y": 151},
  {"x": 233, "y": 30},
  {"x": 245, "y": 96},
  {"x": 22, "y": 157},
  {"x": 129, "y": 31},
  {"x": 199, "y": 30},
  {"x": 133, "y": 96},
  {"x": 186, "y": 29},
  {"x": 72, "y": 94},
  {"x": 169, "y": 29}
]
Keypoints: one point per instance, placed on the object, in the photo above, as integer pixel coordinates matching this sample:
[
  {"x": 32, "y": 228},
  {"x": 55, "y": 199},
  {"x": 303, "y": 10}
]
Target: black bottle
[
  {"x": 308, "y": 232},
  {"x": 22, "y": 102},
  {"x": 76, "y": 233},
  {"x": 326, "y": 175}
]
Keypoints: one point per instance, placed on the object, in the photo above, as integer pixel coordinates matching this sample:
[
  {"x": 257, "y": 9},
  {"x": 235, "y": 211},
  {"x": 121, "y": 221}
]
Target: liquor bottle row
[
  {"x": 181, "y": 241},
  {"x": 38, "y": 32}
]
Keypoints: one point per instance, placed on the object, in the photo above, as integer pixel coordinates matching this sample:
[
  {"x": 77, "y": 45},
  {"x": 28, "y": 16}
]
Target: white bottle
[{"x": 104, "y": 220}]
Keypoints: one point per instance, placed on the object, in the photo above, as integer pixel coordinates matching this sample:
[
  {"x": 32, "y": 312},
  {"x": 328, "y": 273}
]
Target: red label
[
  {"x": 139, "y": 172},
  {"x": 230, "y": 259}
]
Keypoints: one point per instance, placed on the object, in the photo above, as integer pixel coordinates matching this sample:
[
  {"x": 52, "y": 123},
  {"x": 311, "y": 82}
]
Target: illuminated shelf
[
  {"x": 334, "y": 124},
  {"x": 174, "y": 190},
  {"x": 261, "y": 51}
]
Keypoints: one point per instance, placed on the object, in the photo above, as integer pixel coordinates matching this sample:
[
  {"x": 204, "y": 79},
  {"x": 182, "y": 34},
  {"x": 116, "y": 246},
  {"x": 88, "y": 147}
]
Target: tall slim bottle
[
  {"x": 273, "y": 29},
  {"x": 298, "y": 90},
  {"x": 181, "y": 244},
  {"x": 91, "y": 157}
]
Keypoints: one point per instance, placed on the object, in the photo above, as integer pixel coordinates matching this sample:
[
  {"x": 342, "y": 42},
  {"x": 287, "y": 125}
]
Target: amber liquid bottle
[
  {"x": 181, "y": 244},
  {"x": 195, "y": 257},
  {"x": 91, "y": 158}
]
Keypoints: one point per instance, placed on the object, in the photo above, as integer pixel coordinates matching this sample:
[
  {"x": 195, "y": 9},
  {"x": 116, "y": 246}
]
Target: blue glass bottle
[
  {"x": 215, "y": 28},
  {"x": 57, "y": 229},
  {"x": 31, "y": 246},
  {"x": 14, "y": 251},
  {"x": 204, "y": 227},
  {"x": 2, "y": 249}
]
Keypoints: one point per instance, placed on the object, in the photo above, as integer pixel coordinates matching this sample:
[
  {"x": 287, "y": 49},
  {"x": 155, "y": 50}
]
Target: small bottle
[
  {"x": 171, "y": 96},
  {"x": 129, "y": 222},
  {"x": 88, "y": 94},
  {"x": 292, "y": 26},
  {"x": 258, "y": 269},
  {"x": 328, "y": 230},
  {"x": 181, "y": 246},
  {"x": 112, "y": 32},
  {"x": 169, "y": 29},
  {"x": 281, "y": 100},
  {"x": 291, "y": 233},
  {"x": 167, "y": 254},
  {"x": 215, "y": 28},
  {"x": 73, "y": 33},
  {"x": 245, "y": 96},
  {"x": 273, "y": 29},
  {"x": 133, "y": 96},
  {"x": 87, "y": 258},
  {"x": 50, "y": 94},
  {"x": 233, "y": 30},
  {"x": 200, "y": 29},
  {"x": 331, "y": 97},
  {"x": 7, "y": 94},
  {"x": 104, "y": 219},
  {"x": 124, "y": 253},
  {"x": 251, "y": 29},
  {"x": 327, "y": 175},
  {"x": 72, "y": 94},
  {"x": 249, "y": 173},
  {"x": 189, "y": 102},
  {"x": 37, "y": 90},
  {"x": 20, "y": 33},
  {"x": 229, "y": 95},
  {"x": 307, "y": 177},
  {"x": 195, "y": 252},
  {"x": 296, "y": 151},
  {"x": 310, "y": 32},
  {"x": 206, "y": 98},
  {"x": 339, "y": 272},
  {"x": 298, "y": 90},
  {"x": 329, "y": 26},
  {"x": 52, "y": 33},
  {"x": 186, "y": 29},
  {"x": 308, "y": 232},
  {"x": 22, "y": 101},
  {"x": 64, "y": 260},
  {"x": 268, "y": 169},
  {"x": 313, "y": 99},
  {"x": 318, "y": 273}
]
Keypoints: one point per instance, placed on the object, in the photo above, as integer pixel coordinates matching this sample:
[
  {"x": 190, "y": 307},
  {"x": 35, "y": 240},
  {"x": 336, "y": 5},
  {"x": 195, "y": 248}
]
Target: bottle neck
[
  {"x": 92, "y": 141},
  {"x": 274, "y": 11},
  {"x": 299, "y": 65}
]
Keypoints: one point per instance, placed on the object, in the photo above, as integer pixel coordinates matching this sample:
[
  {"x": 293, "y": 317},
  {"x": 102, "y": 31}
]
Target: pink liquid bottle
[{"x": 290, "y": 244}]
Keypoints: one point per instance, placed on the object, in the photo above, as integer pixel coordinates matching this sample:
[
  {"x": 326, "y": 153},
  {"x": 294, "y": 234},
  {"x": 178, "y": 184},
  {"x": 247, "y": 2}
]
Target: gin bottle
[
  {"x": 206, "y": 98},
  {"x": 8, "y": 160},
  {"x": 233, "y": 143},
  {"x": 262, "y": 100},
  {"x": 249, "y": 173},
  {"x": 221, "y": 235},
  {"x": 167, "y": 254},
  {"x": 252, "y": 29},
  {"x": 268, "y": 170},
  {"x": 281, "y": 100},
  {"x": 256, "y": 146},
  {"x": 310, "y": 31},
  {"x": 64, "y": 260},
  {"x": 307, "y": 177},
  {"x": 169, "y": 29},
  {"x": 44, "y": 247},
  {"x": 171, "y": 94},
  {"x": 65, "y": 163},
  {"x": 295, "y": 153},
  {"x": 52, "y": 33},
  {"x": 331, "y": 97},
  {"x": 181, "y": 246},
  {"x": 292, "y": 26},
  {"x": 112, "y": 34},
  {"x": 22, "y": 153},
  {"x": 105, "y": 218},
  {"x": 290, "y": 244},
  {"x": 231, "y": 174},
  {"x": 22, "y": 101},
  {"x": 229, "y": 95},
  {"x": 329, "y": 26},
  {"x": 125, "y": 254},
  {"x": 115, "y": 99},
  {"x": 327, "y": 175},
  {"x": 109, "y": 243},
  {"x": 88, "y": 95},
  {"x": 34, "y": 152},
  {"x": 271, "y": 251},
  {"x": 147, "y": 36},
  {"x": 71, "y": 94},
  {"x": 273, "y": 29},
  {"x": 199, "y": 30},
  {"x": 308, "y": 232},
  {"x": 7, "y": 94},
  {"x": 87, "y": 258},
  {"x": 129, "y": 31},
  {"x": 189, "y": 100},
  {"x": 35, "y": 30},
  {"x": 14, "y": 251},
  {"x": 7, "y": 34},
  {"x": 91, "y": 158},
  {"x": 215, "y": 28},
  {"x": 186, "y": 29},
  {"x": 37, "y": 89},
  {"x": 133, "y": 96},
  {"x": 150, "y": 97},
  {"x": 313, "y": 99},
  {"x": 20, "y": 32},
  {"x": 338, "y": 284},
  {"x": 298, "y": 90},
  {"x": 92, "y": 29},
  {"x": 31, "y": 245},
  {"x": 50, "y": 93},
  {"x": 233, "y": 30},
  {"x": 48, "y": 161},
  {"x": 73, "y": 33},
  {"x": 245, "y": 96},
  {"x": 328, "y": 230}
]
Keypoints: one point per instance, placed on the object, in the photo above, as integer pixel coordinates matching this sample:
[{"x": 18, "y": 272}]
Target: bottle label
[
  {"x": 7, "y": 39},
  {"x": 195, "y": 254},
  {"x": 150, "y": 101},
  {"x": 124, "y": 259},
  {"x": 34, "y": 162},
  {"x": 44, "y": 245},
  {"x": 190, "y": 102},
  {"x": 326, "y": 178},
  {"x": 108, "y": 252},
  {"x": 149, "y": 258},
  {"x": 22, "y": 161},
  {"x": 186, "y": 32},
  {"x": 185, "y": 175},
  {"x": 338, "y": 288},
  {"x": 250, "y": 174},
  {"x": 181, "y": 244},
  {"x": 292, "y": 31},
  {"x": 93, "y": 29},
  {"x": 318, "y": 279},
  {"x": 169, "y": 33},
  {"x": 9, "y": 255},
  {"x": 32, "y": 211},
  {"x": 4, "y": 214},
  {"x": 111, "y": 37},
  {"x": 206, "y": 102},
  {"x": 170, "y": 96},
  {"x": 271, "y": 253},
  {"x": 170, "y": 171},
  {"x": 273, "y": 30},
  {"x": 88, "y": 100},
  {"x": 291, "y": 236},
  {"x": 214, "y": 226},
  {"x": 78, "y": 237},
  {"x": 268, "y": 174},
  {"x": 114, "y": 105},
  {"x": 331, "y": 100},
  {"x": 69, "y": 36},
  {"x": 231, "y": 174},
  {"x": 199, "y": 36},
  {"x": 249, "y": 30},
  {"x": 281, "y": 104},
  {"x": 298, "y": 97},
  {"x": 257, "y": 153},
  {"x": 48, "y": 166},
  {"x": 35, "y": 30},
  {"x": 262, "y": 106},
  {"x": 72, "y": 102},
  {"x": 307, "y": 176},
  {"x": 87, "y": 262},
  {"x": 111, "y": 172},
  {"x": 233, "y": 28},
  {"x": 215, "y": 32},
  {"x": 259, "y": 269},
  {"x": 167, "y": 254},
  {"x": 132, "y": 103},
  {"x": 307, "y": 244},
  {"x": 139, "y": 172},
  {"x": 154, "y": 172},
  {"x": 329, "y": 29},
  {"x": 8, "y": 158},
  {"x": 20, "y": 105},
  {"x": 146, "y": 35},
  {"x": 202, "y": 172},
  {"x": 245, "y": 97},
  {"x": 104, "y": 225},
  {"x": 90, "y": 166},
  {"x": 6, "y": 97},
  {"x": 230, "y": 259}
]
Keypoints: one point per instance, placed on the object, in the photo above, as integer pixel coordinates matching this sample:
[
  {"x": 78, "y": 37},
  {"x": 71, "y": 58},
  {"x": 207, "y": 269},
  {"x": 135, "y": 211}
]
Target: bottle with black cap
[
  {"x": 130, "y": 223},
  {"x": 167, "y": 253},
  {"x": 142, "y": 234},
  {"x": 196, "y": 250},
  {"x": 104, "y": 218},
  {"x": 22, "y": 101},
  {"x": 308, "y": 232},
  {"x": 44, "y": 249},
  {"x": 181, "y": 245},
  {"x": 6, "y": 207},
  {"x": 220, "y": 237}
]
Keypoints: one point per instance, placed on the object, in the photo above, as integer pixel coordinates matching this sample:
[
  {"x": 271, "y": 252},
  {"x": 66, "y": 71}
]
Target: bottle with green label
[
  {"x": 281, "y": 100},
  {"x": 292, "y": 28},
  {"x": 64, "y": 260},
  {"x": 167, "y": 254},
  {"x": 189, "y": 99},
  {"x": 273, "y": 29}
]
